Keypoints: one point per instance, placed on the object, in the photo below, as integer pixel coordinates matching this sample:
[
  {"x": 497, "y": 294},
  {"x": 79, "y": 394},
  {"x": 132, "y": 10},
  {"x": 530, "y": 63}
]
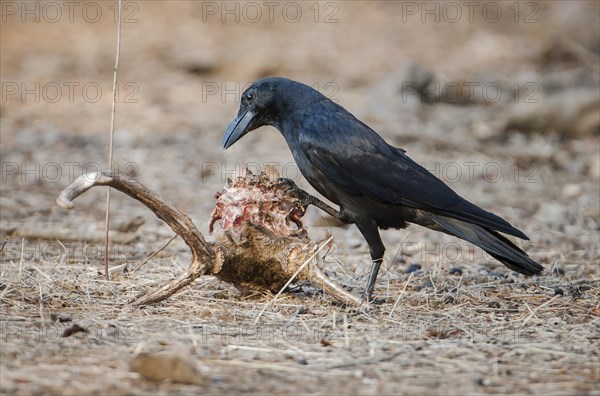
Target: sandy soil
[{"x": 509, "y": 118}]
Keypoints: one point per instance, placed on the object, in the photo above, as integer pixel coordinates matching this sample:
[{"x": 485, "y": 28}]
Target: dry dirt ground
[{"x": 503, "y": 105}]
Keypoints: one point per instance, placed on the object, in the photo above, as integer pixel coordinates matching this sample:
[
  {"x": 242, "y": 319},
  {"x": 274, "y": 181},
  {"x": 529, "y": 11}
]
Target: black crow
[{"x": 374, "y": 184}]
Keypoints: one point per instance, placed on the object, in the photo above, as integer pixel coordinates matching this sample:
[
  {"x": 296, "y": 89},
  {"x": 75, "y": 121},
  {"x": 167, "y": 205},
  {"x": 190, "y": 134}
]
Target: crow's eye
[{"x": 248, "y": 97}]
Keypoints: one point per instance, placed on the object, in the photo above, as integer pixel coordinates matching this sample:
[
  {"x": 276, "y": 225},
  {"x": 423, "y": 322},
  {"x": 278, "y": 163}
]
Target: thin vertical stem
[{"x": 110, "y": 144}]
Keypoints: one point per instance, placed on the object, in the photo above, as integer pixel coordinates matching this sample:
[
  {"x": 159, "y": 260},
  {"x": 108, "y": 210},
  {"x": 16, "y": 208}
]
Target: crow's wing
[{"x": 358, "y": 161}]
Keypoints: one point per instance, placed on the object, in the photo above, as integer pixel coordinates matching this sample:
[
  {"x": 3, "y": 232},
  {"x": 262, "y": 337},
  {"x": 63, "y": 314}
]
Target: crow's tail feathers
[{"x": 493, "y": 243}]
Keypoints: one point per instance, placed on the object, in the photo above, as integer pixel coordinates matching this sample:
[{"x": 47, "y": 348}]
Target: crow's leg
[
  {"x": 370, "y": 231},
  {"x": 307, "y": 199},
  {"x": 372, "y": 278}
]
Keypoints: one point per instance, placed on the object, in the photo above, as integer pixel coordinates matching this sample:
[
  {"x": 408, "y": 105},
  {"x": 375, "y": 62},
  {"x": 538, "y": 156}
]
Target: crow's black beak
[{"x": 237, "y": 128}]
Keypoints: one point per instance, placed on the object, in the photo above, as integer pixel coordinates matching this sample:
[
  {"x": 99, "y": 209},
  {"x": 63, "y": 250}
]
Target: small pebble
[
  {"x": 73, "y": 329},
  {"x": 62, "y": 318},
  {"x": 571, "y": 190},
  {"x": 455, "y": 271},
  {"x": 424, "y": 285},
  {"x": 412, "y": 268},
  {"x": 496, "y": 274},
  {"x": 558, "y": 291},
  {"x": 448, "y": 298}
]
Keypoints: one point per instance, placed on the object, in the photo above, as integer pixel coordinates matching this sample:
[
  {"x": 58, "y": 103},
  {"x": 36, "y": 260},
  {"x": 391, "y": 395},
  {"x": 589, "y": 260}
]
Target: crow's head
[{"x": 264, "y": 103}]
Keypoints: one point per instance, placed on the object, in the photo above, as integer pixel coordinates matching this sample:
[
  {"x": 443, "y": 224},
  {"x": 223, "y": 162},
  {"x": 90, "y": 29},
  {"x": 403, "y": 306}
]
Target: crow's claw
[
  {"x": 286, "y": 183},
  {"x": 291, "y": 187},
  {"x": 307, "y": 199},
  {"x": 371, "y": 300}
]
